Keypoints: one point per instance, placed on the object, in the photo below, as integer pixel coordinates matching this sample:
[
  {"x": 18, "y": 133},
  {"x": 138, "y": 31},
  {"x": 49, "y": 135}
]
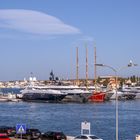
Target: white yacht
[
  {"x": 133, "y": 90},
  {"x": 123, "y": 95},
  {"x": 74, "y": 93},
  {"x": 42, "y": 95}
]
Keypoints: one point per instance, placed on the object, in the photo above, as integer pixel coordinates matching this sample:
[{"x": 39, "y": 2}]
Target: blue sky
[{"x": 42, "y": 35}]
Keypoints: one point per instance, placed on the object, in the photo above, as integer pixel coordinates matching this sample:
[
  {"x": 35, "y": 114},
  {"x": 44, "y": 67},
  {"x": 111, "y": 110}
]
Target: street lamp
[{"x": 131, "y": 64}]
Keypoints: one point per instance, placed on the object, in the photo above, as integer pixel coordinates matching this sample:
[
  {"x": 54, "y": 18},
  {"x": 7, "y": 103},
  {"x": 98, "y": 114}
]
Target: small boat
[
  {"x": 97, "y": 96},
  {"x": 129, "y": 93},
  {"x": 3, "y": 99},
  {"x": 13, "y": 97},
  {"x": 8, "y": 97},
  {"x": 122, "y": 95},
  {"x": 128, "y": 96}
]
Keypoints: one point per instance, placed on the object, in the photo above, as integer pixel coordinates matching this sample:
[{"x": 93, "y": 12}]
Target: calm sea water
[{"x": 67, "y": 117}]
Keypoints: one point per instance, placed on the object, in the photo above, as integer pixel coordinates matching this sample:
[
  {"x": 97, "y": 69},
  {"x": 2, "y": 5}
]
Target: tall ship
[{"x": 97, "y": 95}]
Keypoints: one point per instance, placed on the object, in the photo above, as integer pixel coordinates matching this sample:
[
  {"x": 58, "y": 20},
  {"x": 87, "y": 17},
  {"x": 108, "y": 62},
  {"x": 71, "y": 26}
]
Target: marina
[{"x": 68, "y": 93}]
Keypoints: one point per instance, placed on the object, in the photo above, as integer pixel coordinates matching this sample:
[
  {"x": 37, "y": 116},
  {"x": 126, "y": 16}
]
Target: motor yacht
[{"x": 42, "y": 95}]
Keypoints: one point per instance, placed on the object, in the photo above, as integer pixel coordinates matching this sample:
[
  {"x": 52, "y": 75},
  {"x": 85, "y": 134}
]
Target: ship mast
[
  {"x": 77, "y": 67},
  {"x": 95, "y": 69},
  {"x": 86, "y": 68}
]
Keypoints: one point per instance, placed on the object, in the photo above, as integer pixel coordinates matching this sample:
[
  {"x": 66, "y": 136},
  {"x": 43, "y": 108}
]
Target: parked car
[
  {"x": 10, "y": 131},
  {"x": 87, "y": 137},
  {"x": 4, "y": 136},
  {"x": 53, "y": 135},
  {"x": 30, "y": 134}
]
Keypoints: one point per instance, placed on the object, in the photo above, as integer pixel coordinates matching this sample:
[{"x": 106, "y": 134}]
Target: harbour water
[{"x": 67, "y": 117}]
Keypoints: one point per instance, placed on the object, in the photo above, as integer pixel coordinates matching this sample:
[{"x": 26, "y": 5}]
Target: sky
[{"x": 42, "y": 35}]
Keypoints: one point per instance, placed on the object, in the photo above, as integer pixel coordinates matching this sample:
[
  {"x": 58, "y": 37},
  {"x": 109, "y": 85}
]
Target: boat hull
[
  {"x": 42, "y": 95},
  {"x": 128, "y": 96},
  {"x": 43, "y": 98},
  {"x": 97, "y": 97},
  {"x": 108, "y": 95},
  {"x": 81, "y": 97},
  {"x": 76, "y": 95}
]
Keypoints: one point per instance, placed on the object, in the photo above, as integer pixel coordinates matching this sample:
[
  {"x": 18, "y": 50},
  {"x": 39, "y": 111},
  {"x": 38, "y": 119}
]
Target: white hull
[
  {"x": 42, "y": 95},
  {"x": 123, "y": 95},
  {"x": 76, "y": 95},
  {"x": 113, "y": 97},
  {"x": 8, "y": 97},
  {"x": 3, "y": 99},
  {"x": 137, "y": 96}
]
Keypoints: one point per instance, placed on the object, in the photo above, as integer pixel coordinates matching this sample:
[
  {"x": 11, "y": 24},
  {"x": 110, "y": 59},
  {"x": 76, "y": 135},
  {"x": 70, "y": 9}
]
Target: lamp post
[{"x": 116, "y": 91}]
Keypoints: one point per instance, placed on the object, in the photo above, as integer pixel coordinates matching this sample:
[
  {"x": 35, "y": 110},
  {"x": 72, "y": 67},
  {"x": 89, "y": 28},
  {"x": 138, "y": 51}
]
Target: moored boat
[
  {"x": 8, "y": 97},
  {"x": 3, "y": 99},
  {"x": 129, "y": 93},
  {"x": 76, "y": 95},
  {"x": 97, "y": 96},
  {"x": 128, "y": 96},
  {"x": 38, "y": 95},
  {"x": 13, "y": 97}
]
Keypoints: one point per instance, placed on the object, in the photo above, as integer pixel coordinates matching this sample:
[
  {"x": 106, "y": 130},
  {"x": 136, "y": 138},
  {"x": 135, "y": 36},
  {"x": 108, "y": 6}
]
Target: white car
[{"x": 87, "y": 137}]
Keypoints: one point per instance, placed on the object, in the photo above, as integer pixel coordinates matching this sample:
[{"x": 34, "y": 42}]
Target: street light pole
[
  {"x": 116, "y": 90},
  {"x": 117, "y": 109}
]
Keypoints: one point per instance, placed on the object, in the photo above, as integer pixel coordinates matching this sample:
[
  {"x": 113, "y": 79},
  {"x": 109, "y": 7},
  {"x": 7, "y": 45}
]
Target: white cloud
[{"x": 34, "y": 22}]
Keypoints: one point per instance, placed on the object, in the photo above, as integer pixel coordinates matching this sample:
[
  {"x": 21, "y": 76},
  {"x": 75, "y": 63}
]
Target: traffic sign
[
  {"x": 21, "y": 129},
  {"x": 85, "y": 126}
]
